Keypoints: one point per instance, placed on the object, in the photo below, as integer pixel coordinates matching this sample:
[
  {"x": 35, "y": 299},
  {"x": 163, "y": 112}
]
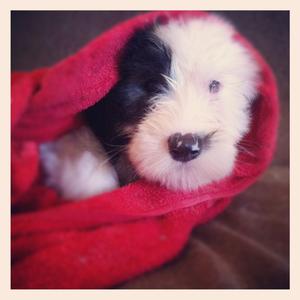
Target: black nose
[{"x": 184, "y": 147}]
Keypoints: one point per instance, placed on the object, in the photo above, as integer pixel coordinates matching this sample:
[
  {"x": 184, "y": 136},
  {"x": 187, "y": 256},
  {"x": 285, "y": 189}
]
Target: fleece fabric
[{"x": 107, "y": 239}]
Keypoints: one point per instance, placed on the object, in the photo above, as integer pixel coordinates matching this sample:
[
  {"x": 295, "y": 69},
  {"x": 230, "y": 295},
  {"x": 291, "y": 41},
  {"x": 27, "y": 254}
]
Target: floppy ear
[{"x": 107, "y": 115}]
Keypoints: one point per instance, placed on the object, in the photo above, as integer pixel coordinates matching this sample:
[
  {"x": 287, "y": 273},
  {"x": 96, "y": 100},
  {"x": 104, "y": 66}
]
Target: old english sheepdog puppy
[{"x": 175, "y": 116}]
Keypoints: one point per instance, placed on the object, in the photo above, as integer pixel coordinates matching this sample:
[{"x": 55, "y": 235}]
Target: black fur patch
[{"x": 141, "y": 64}]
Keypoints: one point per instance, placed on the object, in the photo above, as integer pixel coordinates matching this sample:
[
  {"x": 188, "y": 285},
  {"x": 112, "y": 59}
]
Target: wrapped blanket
[{"x": 107, "y": 239}]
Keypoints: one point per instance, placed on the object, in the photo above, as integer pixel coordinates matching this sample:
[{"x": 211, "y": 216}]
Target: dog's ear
[
  {"x": 123, "y": 106},
  {"x": 104, "y": 118}
]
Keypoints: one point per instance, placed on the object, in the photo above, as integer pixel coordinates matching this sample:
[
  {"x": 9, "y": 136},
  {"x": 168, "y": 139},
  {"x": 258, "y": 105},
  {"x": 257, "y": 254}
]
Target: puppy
[{"x": 175, "y": 117}]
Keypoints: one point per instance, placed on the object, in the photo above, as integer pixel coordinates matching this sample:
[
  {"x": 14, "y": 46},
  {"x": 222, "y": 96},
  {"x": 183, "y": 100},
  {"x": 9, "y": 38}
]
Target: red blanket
[{"x": 104, "y": 240}]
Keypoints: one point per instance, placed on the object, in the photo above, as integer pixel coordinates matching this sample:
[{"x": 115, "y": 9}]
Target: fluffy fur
[
  {"x": 209, "y": 53},
  {"x": 166, "y": 72},
  {"x": 77, "y": 166}
]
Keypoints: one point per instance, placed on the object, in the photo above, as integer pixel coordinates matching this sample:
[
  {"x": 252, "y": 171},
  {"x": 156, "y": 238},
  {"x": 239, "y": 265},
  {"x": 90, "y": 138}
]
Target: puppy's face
[
  {"x": 185, "y": 93},
  {"x": 189, "y": 135}
]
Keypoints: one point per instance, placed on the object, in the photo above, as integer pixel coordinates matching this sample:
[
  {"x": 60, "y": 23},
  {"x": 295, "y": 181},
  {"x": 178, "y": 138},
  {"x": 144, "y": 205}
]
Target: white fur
[
  {"x": 77, "y": 166},
  {"x": 202, "y": 50}
]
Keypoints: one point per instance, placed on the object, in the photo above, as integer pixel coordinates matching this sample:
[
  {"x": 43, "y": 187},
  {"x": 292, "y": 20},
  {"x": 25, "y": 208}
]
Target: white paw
[{"x": 77, "y": 166}]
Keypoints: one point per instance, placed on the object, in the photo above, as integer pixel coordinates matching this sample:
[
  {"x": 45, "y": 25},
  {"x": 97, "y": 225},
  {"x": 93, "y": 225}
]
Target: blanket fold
[{"x": 102, "y": 241}]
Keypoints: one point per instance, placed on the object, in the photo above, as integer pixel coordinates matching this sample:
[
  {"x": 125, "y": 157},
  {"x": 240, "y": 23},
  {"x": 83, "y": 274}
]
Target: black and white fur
[{"x": 175, "y": 117}]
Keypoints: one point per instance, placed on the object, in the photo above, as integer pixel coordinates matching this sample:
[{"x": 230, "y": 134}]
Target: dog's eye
[{"x": 214, "y": 86}]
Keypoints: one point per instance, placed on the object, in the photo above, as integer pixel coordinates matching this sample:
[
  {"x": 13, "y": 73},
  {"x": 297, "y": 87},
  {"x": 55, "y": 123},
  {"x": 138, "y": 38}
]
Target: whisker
[
  {"x": 102, "y": 163},
  {"x": 245, "y": 150},
  {"x": 113, "y": 145}
]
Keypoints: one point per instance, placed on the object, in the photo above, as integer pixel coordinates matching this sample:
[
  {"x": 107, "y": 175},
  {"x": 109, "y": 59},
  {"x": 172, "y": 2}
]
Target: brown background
[{"x": 248, "y": 245}]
